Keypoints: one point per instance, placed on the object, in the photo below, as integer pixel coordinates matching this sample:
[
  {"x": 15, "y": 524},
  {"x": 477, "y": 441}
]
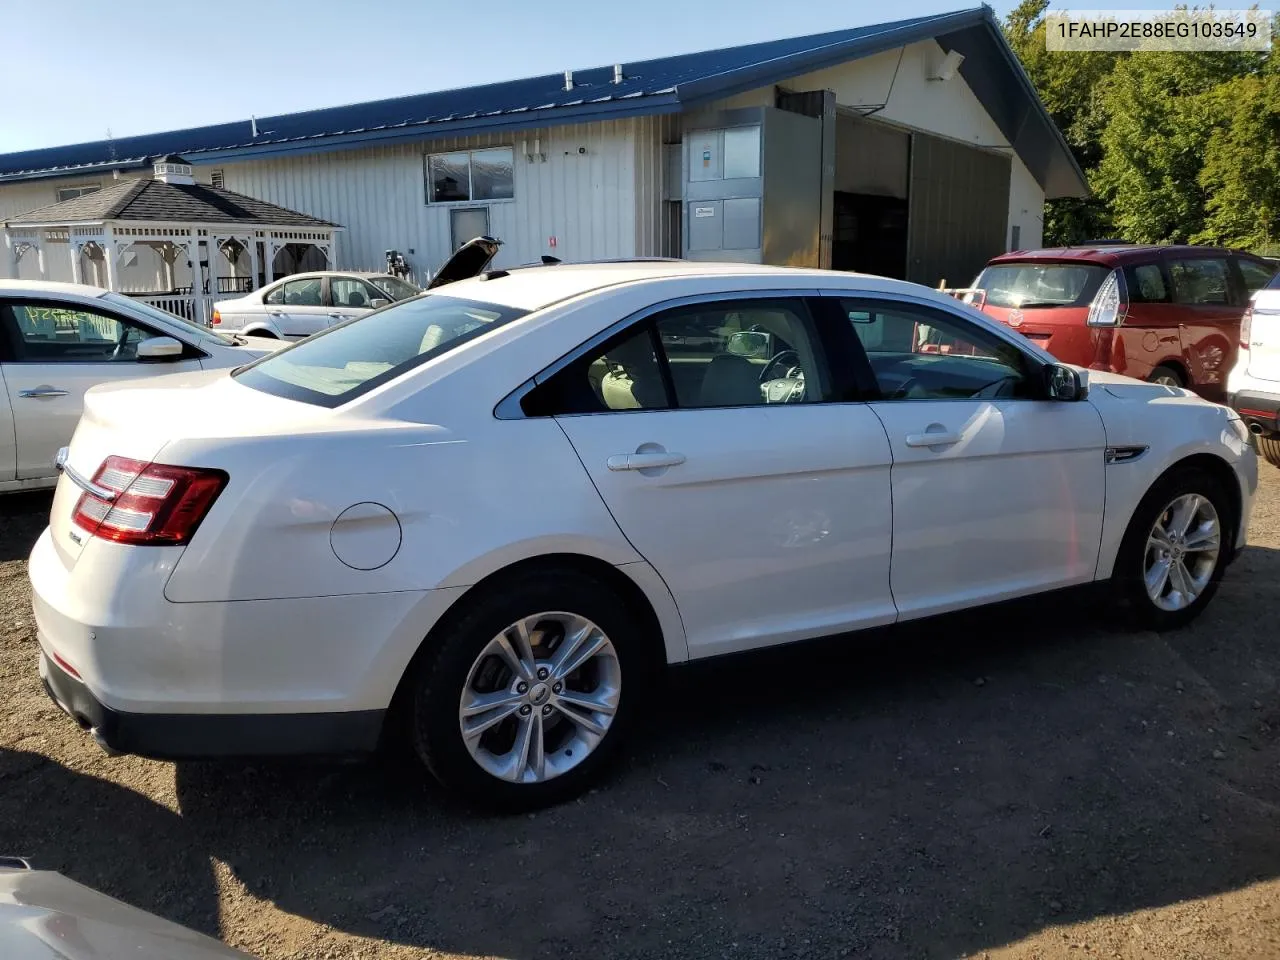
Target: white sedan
[
  {"x": 59, "y": 339},
  {"x": 488, "y": 517},
  {"x": 306, "y": 303}
]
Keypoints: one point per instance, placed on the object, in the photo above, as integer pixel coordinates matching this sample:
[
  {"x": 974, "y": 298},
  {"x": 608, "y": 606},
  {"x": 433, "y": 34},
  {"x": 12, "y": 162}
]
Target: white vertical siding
[
  {"x": 1026, "y": 208},
  {"x": 583, "y": 194}
]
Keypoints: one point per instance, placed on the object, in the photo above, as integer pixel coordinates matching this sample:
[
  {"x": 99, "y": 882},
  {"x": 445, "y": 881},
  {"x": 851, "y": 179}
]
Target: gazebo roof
[{"x": 156, "y": 200}]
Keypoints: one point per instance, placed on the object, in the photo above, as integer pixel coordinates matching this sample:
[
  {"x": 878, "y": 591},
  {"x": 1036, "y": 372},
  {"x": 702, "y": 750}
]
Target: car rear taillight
[
  {"x": 1110, "y": 305},
  {"x": 216, "y": 318},
  {"x": 147, "y": 503},
  {"x": 1246, "y": 326}
]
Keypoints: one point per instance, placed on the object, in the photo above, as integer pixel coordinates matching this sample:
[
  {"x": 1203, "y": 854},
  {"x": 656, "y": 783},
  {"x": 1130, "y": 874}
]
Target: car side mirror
[
  {"x": 378, "y": 302},
  {"x": 159, "y": 348},
  {"x": 1063, "y": 383}
]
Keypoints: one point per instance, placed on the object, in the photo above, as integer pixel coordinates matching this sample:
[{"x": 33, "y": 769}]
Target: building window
[
  {"x": 470, "y": 176},
  {"x": 70, "y": 193},
  {"x": 216, "y": 179}
]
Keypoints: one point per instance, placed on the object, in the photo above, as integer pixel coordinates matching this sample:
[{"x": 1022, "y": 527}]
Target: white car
[
  {"x": 306, "y": 303},
  {"x": 1253, "y": 386},
  {"x": 59, "y": 339},
  {"x": 489, "y": 516}
]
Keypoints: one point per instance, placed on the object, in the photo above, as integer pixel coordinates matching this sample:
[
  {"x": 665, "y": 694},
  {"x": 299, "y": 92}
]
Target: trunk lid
[
  {"x": 138, "y": 419},
  {"x": 1059, "y": 330},
  {"x": 1264, "y": 336},
  {"x": 468, "y": 260}
]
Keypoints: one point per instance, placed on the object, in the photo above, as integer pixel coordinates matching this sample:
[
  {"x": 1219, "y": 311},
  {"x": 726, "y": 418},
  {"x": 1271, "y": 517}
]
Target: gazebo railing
[{"x": 192, "y": 308}]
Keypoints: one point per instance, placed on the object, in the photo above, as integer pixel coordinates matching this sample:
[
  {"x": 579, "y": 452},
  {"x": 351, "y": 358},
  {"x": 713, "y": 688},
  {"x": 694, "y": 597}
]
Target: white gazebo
[{"x": 175, "y": 243}]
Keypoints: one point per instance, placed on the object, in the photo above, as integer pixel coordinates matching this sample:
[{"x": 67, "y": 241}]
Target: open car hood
[{"x": 468, "y": 260}]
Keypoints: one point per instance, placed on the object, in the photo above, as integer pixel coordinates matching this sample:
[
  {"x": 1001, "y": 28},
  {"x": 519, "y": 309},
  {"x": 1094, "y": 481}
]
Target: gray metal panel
[
  {"x": 958, "y": 210},
  {"x": 792, "y": 189},
  {"x": 742, "y": 223},
  {"x": 706, "y": 226},
  {"x": 820, "y": 104}
]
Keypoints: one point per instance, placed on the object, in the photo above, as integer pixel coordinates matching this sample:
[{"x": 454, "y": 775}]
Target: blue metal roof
[{"x": 666, "y": 85}]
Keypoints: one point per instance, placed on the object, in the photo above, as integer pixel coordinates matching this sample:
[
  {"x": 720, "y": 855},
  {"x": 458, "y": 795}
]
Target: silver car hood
[{"x": 45, "y": 916}]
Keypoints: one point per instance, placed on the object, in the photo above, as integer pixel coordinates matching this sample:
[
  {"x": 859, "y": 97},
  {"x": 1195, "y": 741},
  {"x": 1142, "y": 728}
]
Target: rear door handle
[
  {"x": 645, "y": 461},
  {"x": 933, "y": 439},
  {"x": 41, "y": 392}
]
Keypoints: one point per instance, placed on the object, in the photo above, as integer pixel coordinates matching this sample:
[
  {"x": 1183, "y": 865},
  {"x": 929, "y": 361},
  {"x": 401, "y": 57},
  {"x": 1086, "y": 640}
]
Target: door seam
[
  {"x": 893, "y": 523},
  {"x": 639, "y": 553}
]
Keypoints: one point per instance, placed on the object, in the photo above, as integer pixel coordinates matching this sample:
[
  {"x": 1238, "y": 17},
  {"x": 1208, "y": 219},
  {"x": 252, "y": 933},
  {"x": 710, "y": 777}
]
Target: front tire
[
  {"x": 1175, "y": 549},
  {"x": 528, "y": 693}
]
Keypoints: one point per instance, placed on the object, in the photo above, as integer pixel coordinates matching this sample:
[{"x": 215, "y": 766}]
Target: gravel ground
[{"x": 1029, "y": 782}]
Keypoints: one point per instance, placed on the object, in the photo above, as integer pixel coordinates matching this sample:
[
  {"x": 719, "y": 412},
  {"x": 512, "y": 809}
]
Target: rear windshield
[
  {"x": 352, "y": 358},
  {"x": 395, "y": 289},
  {"x": 1026, "y": 285}
]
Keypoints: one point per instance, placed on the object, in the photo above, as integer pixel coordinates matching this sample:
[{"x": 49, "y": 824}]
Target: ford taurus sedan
[{"x": 488, "y": 517}]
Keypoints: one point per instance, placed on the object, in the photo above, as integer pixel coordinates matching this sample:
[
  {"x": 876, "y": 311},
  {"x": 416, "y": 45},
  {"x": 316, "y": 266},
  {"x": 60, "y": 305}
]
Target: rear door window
[
  {"x": 1146, "y": 283},
  {"x": 1200, "y": 282},
  {"x": 1039, "y": 284}
]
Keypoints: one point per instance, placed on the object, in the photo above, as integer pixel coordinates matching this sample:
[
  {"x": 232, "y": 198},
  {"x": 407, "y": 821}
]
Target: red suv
[{"x": 1165, "y": 314}]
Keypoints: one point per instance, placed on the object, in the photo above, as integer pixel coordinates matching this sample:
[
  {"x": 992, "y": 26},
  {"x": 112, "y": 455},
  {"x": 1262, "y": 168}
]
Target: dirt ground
[{"x": 1026, "y": 783}]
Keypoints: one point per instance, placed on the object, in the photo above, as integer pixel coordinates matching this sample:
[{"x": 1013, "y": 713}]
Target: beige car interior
[{"x": 627, "y": 376}]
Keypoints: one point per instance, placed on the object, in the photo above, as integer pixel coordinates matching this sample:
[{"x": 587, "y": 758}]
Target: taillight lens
[
  {"x": 1108, "y": 308},
  {"x": 216, "y": 318},
  {"x": 1246, "y": 326},
  {"x": 155, "y": 504}
]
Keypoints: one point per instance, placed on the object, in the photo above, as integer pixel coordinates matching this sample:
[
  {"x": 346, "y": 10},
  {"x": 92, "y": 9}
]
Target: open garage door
[{"x": 957, "y": 212}]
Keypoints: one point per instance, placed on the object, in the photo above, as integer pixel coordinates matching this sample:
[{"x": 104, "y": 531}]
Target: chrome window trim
[{"x": 508, "y": 408}]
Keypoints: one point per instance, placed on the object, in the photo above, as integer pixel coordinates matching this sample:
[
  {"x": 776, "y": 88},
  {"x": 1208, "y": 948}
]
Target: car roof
[
  {"x": 309, "y": 274},
  {"x": 45, "y": 288},
  {"x": 1110, "y": 253},
  {"x": 535, "y": 287}
]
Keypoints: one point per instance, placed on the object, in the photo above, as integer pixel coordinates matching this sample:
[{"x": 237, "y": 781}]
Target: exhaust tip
[
  {"x": 109, "y": 750},
  {"x": 1256, "y": 429}
]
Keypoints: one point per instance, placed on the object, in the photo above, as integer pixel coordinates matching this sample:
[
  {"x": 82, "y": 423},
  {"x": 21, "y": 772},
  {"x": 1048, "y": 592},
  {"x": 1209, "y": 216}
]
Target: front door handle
[
  {"x": 337, "y": 316},
  {"x": 939, "y": 439},
  {"x": 41, "y": 392},
  {"x": 645, "y": 461}
]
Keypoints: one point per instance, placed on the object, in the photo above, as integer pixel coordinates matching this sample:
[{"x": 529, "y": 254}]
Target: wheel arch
[
  {"x": 1178, "y": 365},
  {"x": 637, "y": 582},
  {"x": 1217, "y": 466}
]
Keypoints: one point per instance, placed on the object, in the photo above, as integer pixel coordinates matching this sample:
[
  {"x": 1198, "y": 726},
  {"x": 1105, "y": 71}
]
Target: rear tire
[
  {"x": 1269, "y": 448},
  {"x": 1168, "y": 376},
  {"x": 1174, "y": 552},
  {"x": 570, "y": 745}
]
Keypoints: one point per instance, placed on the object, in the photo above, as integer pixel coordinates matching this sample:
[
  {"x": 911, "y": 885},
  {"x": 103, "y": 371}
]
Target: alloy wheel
[
  {"x": 1182, "y": 552},
  {"x": 540, "y": 697}
]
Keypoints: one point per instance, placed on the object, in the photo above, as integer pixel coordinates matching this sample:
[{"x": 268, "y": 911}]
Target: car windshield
[
  {"x": 394, "y": 288},
  {"x": 341, "y": 363},
  {"x": 1026, "y": 285},
  {"x": 155, "y": 313}
]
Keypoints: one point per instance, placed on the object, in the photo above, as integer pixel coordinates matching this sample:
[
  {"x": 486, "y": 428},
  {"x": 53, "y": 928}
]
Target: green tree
[
  {"x": 1241, "y": 173},
  {"x": 1161, "y": 110}
]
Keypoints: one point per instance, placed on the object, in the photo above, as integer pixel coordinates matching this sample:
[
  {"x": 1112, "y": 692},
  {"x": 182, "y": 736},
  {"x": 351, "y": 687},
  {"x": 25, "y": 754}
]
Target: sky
[{"x": 75, "y": 70}]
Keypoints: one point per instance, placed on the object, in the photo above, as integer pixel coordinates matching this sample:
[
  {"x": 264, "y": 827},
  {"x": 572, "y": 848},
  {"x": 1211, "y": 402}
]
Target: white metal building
[{"x": 915, "y": 149}]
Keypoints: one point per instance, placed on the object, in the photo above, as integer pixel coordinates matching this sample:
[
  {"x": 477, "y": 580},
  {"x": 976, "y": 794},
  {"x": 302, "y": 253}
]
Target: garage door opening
[{"x": 870, "y": 215}]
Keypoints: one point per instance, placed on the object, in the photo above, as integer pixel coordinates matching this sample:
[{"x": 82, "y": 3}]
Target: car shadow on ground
[
  {"x": 930, "y": 791},
  {"x": 22, "y": 517}
]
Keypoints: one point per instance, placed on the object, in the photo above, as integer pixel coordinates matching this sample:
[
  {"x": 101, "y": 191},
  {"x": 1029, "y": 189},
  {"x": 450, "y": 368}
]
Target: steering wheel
[
  {"x": 904, "y": 391},
  {"x": 777, "y": 358}
]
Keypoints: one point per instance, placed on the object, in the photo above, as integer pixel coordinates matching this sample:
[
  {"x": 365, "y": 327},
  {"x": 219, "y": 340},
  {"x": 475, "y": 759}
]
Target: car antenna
[{"x": 548, "y": 260}]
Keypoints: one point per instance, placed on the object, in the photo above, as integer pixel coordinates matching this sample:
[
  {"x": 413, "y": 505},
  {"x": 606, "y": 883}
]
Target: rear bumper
[
  {"x": 1257, "y": 407},
  {"x": 181, "y": 736}
]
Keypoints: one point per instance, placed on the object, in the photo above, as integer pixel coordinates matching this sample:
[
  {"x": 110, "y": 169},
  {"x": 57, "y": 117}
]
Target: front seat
[
  {"x": 356, "y": 298},
  {"x": 633, "y": 381},
  {"x": 730, "y": 381}
]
